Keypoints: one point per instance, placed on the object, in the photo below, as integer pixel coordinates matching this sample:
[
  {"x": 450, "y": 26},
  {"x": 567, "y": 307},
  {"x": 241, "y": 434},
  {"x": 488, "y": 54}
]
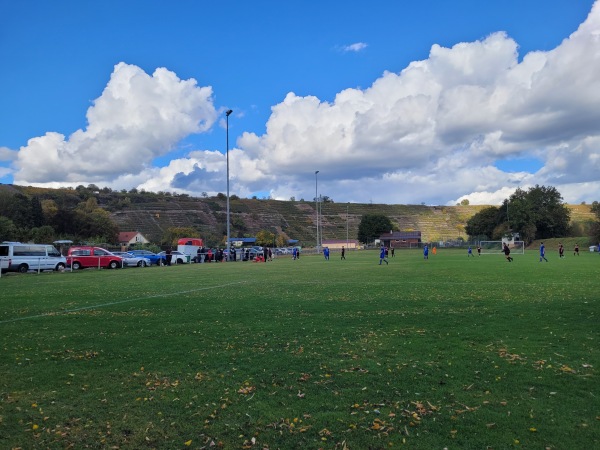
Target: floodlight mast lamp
[
  {"x": 317, "y": 205},
  {"x": 228, "y": 245}
]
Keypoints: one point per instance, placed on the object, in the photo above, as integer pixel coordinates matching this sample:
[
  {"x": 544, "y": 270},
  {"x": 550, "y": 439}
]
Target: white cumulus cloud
[{"x": 137, "y": 118}]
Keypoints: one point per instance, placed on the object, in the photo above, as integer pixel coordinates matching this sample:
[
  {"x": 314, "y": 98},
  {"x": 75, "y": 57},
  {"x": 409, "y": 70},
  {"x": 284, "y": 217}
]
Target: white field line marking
[{"x": 83, "y": 308}]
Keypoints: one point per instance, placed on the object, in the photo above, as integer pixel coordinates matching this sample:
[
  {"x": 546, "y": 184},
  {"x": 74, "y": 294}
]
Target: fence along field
[{"x": 451, "y": 352}]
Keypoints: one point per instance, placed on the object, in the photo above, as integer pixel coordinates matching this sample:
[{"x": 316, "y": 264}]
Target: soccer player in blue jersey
[
  {"x": 425, "y": 252},
  {"x": 382, "y": 257},
  {"x": 543, "y": 252},
  {"x": 470, "y": 252}
]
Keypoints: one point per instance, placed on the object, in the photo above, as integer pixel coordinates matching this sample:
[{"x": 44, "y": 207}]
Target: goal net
[{"x": 496, "y": 247}]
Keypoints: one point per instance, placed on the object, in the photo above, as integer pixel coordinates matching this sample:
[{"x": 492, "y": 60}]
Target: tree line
[
  {"x": 537, "y": 213},
  {"x": 38, "y": 219}
]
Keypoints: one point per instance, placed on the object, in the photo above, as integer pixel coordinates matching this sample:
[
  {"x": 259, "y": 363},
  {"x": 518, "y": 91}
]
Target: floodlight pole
[
  {"x": 321, "y": 221},
  {"x": 227, "y": 245},
  {"x": 347, "y": 206},
  {"x": 317, "y": 205}
]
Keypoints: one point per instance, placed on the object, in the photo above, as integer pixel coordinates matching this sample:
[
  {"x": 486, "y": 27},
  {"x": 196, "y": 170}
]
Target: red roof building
[{"x": 127, "y": 238}]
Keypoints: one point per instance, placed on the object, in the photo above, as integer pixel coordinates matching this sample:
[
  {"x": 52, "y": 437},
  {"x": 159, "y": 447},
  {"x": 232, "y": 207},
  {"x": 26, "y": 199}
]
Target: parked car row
[{"x": 19, "y": 257}]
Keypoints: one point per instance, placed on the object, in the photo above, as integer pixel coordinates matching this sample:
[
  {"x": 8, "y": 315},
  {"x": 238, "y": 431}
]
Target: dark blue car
[{"x": 153, "y": 257}]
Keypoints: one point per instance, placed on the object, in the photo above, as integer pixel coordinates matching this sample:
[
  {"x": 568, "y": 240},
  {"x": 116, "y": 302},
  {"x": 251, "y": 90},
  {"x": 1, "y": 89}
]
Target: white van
[
  {"x": 25, "y": 257},
  {"x": 3, "y": 265}
]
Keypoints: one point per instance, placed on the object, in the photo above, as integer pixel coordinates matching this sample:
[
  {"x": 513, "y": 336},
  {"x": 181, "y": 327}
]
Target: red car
[{"x": 81, "y": 257}]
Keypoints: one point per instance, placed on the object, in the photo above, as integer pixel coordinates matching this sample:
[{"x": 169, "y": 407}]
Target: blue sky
[{"x": 392, "y": 101}]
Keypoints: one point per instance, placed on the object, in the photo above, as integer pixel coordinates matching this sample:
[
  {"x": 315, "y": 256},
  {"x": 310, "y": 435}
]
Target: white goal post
[{"x": 496, "y": 247}]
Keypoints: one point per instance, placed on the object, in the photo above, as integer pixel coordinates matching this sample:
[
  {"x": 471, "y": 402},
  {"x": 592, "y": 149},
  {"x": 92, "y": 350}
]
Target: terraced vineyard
[
  {"x": 153, "y": 214},
  {"x": 297, "y": 220}
]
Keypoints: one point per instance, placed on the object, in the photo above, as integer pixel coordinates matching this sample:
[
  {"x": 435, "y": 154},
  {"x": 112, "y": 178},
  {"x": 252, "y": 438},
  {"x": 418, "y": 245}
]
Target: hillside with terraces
[
  {"x": 296, "y": 219},
  {"x": 153, "y": 214}
]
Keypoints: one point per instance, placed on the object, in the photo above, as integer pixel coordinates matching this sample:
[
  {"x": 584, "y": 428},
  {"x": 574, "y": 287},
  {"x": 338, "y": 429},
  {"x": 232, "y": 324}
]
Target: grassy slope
[
  {"x": 450, "y": 352},
  {"x": 294, "y": 219}
]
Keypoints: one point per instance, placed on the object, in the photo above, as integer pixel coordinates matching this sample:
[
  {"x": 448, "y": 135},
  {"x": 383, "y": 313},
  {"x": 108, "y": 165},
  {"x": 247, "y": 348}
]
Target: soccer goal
[{"x": 495, "y": 247}]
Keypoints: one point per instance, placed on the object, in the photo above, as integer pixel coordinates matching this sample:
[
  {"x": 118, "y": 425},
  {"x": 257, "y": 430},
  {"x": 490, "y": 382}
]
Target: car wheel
[
  {"x": 23, "y": 268},
  {"x": 179, "y": 261},
  {"x": 141, "y": 264},
  {"x": 60, "y": 267},
  {"x": 113, "y": 265},
  {"x": 75, "y": 265}
]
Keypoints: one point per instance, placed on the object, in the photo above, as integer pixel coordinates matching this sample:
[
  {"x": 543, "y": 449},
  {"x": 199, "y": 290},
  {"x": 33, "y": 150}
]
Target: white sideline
[{"x": 83, "y": 308}]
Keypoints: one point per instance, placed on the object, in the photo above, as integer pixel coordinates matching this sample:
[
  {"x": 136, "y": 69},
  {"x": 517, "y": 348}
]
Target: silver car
[{"x": 130, "y": 260}]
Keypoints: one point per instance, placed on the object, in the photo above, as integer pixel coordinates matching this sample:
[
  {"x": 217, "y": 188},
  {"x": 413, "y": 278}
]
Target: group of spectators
[{"x": 209, "y": 255}]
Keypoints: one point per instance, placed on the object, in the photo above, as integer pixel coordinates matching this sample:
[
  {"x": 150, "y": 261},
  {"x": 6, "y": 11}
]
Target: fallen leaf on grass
[
  {"x": 245, "y": 390},
  {"x": 467, "y": 409},
  {"x": 304, "y": 377}
]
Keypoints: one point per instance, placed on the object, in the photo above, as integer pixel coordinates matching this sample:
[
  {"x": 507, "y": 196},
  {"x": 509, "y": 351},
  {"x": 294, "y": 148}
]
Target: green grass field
[{"x": 450, "y": 353}]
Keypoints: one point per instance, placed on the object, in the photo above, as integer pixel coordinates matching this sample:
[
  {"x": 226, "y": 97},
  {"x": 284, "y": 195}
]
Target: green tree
[
  {"x": 372, "y": 226},
  {"x": 43, "y": 235},
  {"x": 8, "y": 230},
  {"x": 539, "y": 213},
  {"x": 17, "y": 207},
  {"x": 481, "y": 226},
  {"x": 265, "y": 238},
  {"x": 280, "y": 240},
  {"x": 596, "y": 226},
  {"x": 91, "y": 220},
  {"x": 49, "y": 209}
]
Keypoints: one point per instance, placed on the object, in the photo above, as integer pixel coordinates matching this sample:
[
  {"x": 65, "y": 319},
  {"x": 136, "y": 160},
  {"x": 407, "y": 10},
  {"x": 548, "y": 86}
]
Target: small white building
[{"x": 127, "y": 238}]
